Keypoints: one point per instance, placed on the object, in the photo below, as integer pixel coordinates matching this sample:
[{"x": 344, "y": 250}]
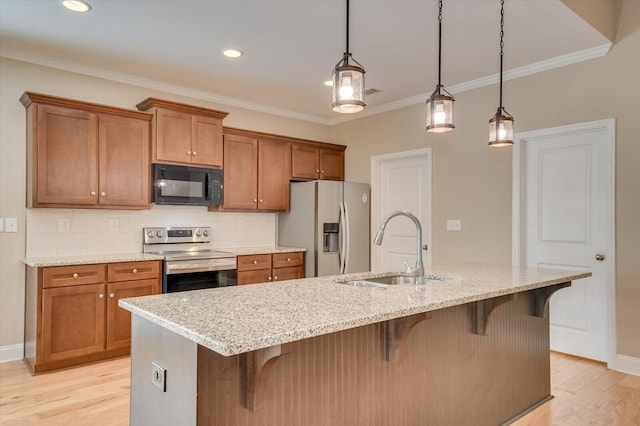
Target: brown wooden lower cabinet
[
  {"x": 262, "y": 268},
  {"x": 72, "y": 315}
]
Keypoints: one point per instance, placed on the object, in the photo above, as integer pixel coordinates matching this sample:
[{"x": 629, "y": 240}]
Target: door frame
[
  {"x": 518, "y": 240},
  {"x": 377, "y": 215}
]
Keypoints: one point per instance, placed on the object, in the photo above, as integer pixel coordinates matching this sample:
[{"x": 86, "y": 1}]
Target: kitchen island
[{"x": 470, "y": 346}]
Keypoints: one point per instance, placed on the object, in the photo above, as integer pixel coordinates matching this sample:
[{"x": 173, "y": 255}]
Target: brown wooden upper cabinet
[
  {"x": 256, "y": 173},
  {"x": 184, "y": 134},
  {"x": 83, "y": 155},
  {"x": 313, "y": 162}
]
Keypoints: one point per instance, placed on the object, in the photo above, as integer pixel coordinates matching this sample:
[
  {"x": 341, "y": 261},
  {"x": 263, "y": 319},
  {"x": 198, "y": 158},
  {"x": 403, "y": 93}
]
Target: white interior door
[
  {"x": 567, "y": 210},
  {"x": 400, "y": 181}
]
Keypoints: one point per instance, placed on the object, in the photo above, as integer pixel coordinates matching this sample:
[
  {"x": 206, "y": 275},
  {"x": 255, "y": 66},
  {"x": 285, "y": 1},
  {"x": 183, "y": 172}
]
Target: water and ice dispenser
[{"x": 331, "y": 237}]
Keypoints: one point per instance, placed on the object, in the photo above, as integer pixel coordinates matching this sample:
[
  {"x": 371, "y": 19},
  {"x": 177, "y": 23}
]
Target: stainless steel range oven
[{"x": 189, "y": 261}]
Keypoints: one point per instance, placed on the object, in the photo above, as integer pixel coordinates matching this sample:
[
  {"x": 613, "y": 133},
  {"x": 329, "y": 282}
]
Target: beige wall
[
  {"x": 16, "y": 78},
  {"x": 473, "y": 183}
]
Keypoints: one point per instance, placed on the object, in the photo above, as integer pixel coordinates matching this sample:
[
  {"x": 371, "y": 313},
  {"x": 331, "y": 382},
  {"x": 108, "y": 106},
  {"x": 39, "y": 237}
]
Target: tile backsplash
[{"x": 63, "y": 232}]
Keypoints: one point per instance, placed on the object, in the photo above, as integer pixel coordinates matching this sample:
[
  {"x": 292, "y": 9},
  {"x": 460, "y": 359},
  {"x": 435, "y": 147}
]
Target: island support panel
[{"x": 448, "y": 374}]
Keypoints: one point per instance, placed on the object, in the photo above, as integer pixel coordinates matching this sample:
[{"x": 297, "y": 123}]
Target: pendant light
[
  {"x": 501, "y": 124},
  {"x": 440, "y": 103},
  {"x": 348, "y": 82}
]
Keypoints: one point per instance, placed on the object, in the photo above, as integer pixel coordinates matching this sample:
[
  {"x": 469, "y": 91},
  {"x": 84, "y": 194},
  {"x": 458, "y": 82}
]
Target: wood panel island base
[{"x": 462, "y": 351}]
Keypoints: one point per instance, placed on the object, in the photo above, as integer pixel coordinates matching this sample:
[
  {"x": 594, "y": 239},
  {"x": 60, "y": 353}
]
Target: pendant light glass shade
[
  {"x": 501, "y": 129},
  {"x": 439, "y": 104},
  {"x": 348, "y": 87},
  {"x": 348, "y": 82},
  {"x": 501, "y": 124}
]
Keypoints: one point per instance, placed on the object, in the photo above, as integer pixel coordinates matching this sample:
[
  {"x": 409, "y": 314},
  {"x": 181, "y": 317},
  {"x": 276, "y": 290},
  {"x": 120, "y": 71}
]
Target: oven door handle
[{"x": 185, "y": 268}]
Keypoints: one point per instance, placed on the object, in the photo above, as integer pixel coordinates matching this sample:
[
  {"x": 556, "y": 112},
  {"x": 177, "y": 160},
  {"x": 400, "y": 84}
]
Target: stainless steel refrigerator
[{"x": 331, "y": 220}]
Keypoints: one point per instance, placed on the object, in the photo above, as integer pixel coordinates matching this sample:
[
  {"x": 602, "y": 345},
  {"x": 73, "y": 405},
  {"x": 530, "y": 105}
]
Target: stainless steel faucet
[{"x": 418, "y": 270}]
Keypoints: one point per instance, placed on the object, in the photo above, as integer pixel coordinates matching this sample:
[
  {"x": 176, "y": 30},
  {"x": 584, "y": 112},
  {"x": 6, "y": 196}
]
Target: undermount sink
[{"x": 383, "y": 282}]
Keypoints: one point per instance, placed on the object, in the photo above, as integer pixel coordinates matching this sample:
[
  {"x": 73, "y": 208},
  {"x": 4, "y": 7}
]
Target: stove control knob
[
  {"x": 159, "y": 234},
  {"x": 205, "y": 233},
  {"x": 150, "y": 234},
  {"x": 197, "y": 233}
]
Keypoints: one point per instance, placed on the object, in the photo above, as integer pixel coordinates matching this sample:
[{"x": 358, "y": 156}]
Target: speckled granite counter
[
  {"x": 38, "y": 262},
  {"x": 242, "y": 251},
  {"x": 234, "y": 320}
]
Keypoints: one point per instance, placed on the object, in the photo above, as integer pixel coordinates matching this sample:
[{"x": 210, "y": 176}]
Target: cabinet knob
[
  {"x": 321, "y": 171},
  {"x": 188, "y": 152},
  {"x": 288, "y": 259},
  {"x": 111, "y": 295},
  {"x": 92, "y": 193},
  {"x": 261, "y": 200},
  {"x": 269, "y": 278},
  {"x": 317, "y": 170},
  {"x": 255, "y": 262},
  {"x": 135, "y": 271},
  {"x": 75, "y": 275},
  {"x": 103, "y": 193},
  {"x": 275, "y": 278},
  {"x": 195, "y": 153},
  {"x": 101, "y": 296},
  {"x": 255, "y": 200}
]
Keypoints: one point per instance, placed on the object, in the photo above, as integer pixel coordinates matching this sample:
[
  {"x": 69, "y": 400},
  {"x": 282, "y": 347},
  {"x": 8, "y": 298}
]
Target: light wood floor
[{"x": 586, "y": 393}]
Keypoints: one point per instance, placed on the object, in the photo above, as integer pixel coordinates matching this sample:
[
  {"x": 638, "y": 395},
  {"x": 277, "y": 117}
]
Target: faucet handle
[{"x": 406, "y": 265}]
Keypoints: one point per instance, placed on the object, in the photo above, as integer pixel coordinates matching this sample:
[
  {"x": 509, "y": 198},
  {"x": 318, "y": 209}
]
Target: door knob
[{"x": 599, "y": 257}]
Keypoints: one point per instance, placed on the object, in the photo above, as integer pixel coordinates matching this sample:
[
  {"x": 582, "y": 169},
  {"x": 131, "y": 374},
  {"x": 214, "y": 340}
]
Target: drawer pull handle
[
  {"x": 75, "y": 275},
  {"x": 101, "y": 296},
  {"x": 135, "y": 271},
  {"x": 288, "y": 259},
  {"x": 255, "y": 262},
  {"x": 111, "y": 295}
]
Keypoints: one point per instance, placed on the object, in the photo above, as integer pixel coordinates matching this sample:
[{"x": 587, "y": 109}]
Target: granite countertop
[
  {"x": 235, "y": 320},
  {"x": 84, "y": 259}
]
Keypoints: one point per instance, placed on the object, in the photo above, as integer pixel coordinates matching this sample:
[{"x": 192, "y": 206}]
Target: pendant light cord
[
  {"x": 439, "y": 42},
  {"x": 501, "y": 46},
  {"x": 347, "y": 54}
]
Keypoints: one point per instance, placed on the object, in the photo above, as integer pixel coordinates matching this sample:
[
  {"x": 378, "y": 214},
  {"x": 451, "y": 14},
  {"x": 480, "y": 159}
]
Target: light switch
[
  {"x": 11, "y": 224},
  {"x": 454, "y": 225}
]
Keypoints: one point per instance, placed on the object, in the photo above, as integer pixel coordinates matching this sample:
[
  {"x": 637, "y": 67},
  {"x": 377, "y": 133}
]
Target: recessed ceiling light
[
  {"x": 232, "y": 53},
  {"x": 329, "y": 83},
  {"x": 77, "y": 5}
]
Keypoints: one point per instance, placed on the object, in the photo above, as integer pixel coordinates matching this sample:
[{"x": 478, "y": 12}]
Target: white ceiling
[{"x": 291, "y": 46}]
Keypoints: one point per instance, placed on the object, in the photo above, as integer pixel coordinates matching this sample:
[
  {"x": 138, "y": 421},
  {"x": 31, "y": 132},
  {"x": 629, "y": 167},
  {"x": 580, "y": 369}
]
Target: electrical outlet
[
  {"x": 64, "y": 224},
  {"x": 454, "y": 225},
  {"x": 114, "y": 225},
  {"x": 159, "y": 376},
  {"x": 11, "y": 224}
]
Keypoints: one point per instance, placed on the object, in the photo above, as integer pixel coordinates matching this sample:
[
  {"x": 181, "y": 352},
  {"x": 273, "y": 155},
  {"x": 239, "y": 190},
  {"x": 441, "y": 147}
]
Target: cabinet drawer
[
  {"x": 293, "y": 273},
  {"x": 285, "y": 260},
  {"x": 129, "y": 271},
  {"x": 63, "y": 276},
  {"x": 253, "y": 277},
  {"x": 254, "y": 262}
]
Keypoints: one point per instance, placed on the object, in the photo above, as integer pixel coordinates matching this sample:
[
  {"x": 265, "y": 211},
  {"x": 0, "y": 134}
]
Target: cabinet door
[
  {"x": 253, "y": 277},
  {"x": 206, "y": 141},
  {"x": 331, "y": 164},
  {"x": 118, "y": 319},
  {"x": 124, "y": 161},
  {"x": 274, "y": 171},
  {"x": 240, "y": 172},
  {"x": 282, "y": 274},
  {"x": 72, "y": 321},
  {"x": 173, "y": 136},
  {"x": 305, "y": 162},
  {"x": 66, "y": 160}
]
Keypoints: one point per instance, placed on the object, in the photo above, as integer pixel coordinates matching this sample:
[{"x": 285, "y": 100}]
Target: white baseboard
[
  {"x": 628, "y": 364},
  {"x": 11, "y": 352}
]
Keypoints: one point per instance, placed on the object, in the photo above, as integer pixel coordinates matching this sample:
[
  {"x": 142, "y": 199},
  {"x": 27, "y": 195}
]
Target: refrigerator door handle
[
  {"x": 342, "y": 250},
  {"x": 347, "y": 237}
]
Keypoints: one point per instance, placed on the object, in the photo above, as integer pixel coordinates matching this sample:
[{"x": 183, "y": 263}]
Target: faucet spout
[{"x": 418, "y": 270}]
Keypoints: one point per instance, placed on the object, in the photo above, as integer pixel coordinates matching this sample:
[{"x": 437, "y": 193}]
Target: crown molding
[
  {"x": 537, "y": 67},
  {"x": 156, "y": 85},
  {"x": 549, "y": 64}
]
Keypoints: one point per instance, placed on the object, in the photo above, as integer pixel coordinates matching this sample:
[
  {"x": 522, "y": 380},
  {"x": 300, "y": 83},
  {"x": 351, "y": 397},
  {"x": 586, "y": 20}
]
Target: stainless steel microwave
[{"x": 187, "y": 185}]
